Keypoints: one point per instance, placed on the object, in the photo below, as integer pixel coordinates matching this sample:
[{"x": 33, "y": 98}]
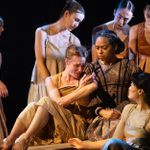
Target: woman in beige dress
[
  {"x": 65, "y": 111},
  {"x": 51, "y": 42}
]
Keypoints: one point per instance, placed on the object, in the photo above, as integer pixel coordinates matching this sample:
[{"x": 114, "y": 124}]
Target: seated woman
[
  {"x": 114, "y": 78},
  {"x": 133, "y": 130},
  {"x": 65, "y": 108}
]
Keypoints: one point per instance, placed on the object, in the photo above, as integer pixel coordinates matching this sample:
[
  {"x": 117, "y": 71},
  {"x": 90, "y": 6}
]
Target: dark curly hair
[
  {"x": 112, "y": 38},
  {"x": 142, "y": 81}
]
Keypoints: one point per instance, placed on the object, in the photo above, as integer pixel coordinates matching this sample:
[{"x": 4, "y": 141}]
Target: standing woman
[
  {"x": 3, "y": 94},
  {"x": 51, "y": 42},
  {"x": 139, "y": 41},
  {"x": 122, "y": 16}
]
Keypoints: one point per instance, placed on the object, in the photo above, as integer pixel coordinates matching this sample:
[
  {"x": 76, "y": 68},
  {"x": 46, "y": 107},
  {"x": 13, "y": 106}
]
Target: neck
[
  {"x": 110, "y": 62},
  {"x": 57, "y": 27},
  {"x": 67, "y": 76},
  {"x": 142, "y": 105}
]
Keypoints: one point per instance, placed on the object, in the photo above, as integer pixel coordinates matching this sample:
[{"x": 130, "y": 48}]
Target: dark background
[{"x": 22, "y": 17}]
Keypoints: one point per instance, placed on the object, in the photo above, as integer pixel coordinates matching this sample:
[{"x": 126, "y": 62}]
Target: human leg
[
  {"x": 116, "y": 144},
  {"x": 25, "y": 123},
  {"x": 36, "y": 125}
]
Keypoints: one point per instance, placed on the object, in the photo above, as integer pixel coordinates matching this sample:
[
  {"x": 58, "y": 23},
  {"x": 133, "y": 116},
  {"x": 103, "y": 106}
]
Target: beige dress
[
  {"x": 65, "y": 122},
  {"x": 3, "y": 127},
  {"x": 134, "y": 122},
  {"x": 55, "y": 49}
]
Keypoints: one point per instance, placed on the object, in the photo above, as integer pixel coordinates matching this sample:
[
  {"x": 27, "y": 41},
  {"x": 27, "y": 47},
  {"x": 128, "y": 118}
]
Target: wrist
[{"x": 98, "y": 110}]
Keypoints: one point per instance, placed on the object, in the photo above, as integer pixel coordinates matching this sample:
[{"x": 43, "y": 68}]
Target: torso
[
  {"x": 67, "y": 88},
  {"x": 135, "y": 123},
  {"x": 143, "y": 40},
  {"x": 115, "y": 79}
]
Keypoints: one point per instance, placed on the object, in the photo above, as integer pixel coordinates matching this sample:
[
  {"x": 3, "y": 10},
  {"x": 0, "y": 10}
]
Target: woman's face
[
  {"x": 105, "y": 51},
  {"x": 147, "y": 16},
  {"x": 133, "y": 92},
  {"x": 73, "y": 20},
  {"x": 75, "y": 66},
  {"x": 122, "y": 17}
]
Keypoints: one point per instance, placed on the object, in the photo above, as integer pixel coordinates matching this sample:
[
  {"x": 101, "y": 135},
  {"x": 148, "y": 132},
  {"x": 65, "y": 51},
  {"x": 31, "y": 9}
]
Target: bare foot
[
  {"x": 7, "y": 143},
  {"x": 21, "y": 143}
]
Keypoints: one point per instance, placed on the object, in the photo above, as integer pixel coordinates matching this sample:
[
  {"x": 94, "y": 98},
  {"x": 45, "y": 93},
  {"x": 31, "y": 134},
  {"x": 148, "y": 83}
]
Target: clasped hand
[{"x": 110, "y": 113}]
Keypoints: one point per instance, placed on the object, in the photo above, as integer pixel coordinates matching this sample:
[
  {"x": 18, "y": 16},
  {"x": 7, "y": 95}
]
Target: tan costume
[
  {"x": 55, "y": 50},
  {"x": 65, "y": 122},
  {"x": 142, "y": 59}
]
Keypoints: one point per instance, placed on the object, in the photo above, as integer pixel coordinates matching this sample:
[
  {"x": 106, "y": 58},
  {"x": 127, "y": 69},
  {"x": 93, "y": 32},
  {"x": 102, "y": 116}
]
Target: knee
[{"x": 111, "y": 143}]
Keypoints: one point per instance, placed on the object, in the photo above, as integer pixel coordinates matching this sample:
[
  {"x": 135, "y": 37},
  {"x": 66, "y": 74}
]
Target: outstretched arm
[{"x": 77, "y": 143}]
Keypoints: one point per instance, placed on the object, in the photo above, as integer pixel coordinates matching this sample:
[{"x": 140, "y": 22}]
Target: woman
[
  {"x": 114, "y": 77},
  {"x": 139, "y": 41},
  {"x": 133, "y": 130},
  {"x": 3, "y": 94},
  {"x": 51, "y": 42},
  {"x": 122, "y": 16},
  {"x": 65, "y": 109}
]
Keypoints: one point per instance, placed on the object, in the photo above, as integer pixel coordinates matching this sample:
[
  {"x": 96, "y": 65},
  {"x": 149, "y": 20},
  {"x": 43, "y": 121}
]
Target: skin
[
  {"x": 135, "y": 94},
  {"x": 121, "y": 18},
  {"x": 133, "y": 35},
  {"x": 66, "y": 22},
  {"x": 70, "y": 76},
  {"x": 3, "y": 88}
]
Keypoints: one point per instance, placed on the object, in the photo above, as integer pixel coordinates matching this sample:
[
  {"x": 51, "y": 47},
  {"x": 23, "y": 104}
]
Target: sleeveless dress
[
  {"x": 135, "y": 126},
  {"x": 66, "y": 123},
  {"x": 142, "y": 60},
  {"x": 55, "y": 49},
  {"x": 3, "y": 127}
]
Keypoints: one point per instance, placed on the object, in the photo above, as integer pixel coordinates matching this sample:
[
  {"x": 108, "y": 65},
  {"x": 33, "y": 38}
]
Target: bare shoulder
[
  {"x": 128, "y": 107},
  {"x": 52, "y": 79},
  {"x": 134, "y": 28}
]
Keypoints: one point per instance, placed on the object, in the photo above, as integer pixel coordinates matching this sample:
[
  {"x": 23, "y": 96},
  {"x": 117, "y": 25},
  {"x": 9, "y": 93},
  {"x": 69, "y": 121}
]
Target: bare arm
[
  {"x": 77, "y": 143},
  {"x": 133, "y": 39},
  {"x": 40, "y": 38},
  {"x": 53, "y": 91},
  {"x": 119, "y": 132},
  {"x": 3, "y": 88},
  {"x": 78, "y": 94}
]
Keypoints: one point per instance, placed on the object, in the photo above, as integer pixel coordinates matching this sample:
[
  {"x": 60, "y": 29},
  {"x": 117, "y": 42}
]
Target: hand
[
  {"x": 109, "y": 113},
  {"x": 77, "y": 143},
  {"x": 116, "y": 114},
  {"x": 62, "y": 101},
  {"x": 86, "y": 79},
  {"x": 3, "y": 90}
]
